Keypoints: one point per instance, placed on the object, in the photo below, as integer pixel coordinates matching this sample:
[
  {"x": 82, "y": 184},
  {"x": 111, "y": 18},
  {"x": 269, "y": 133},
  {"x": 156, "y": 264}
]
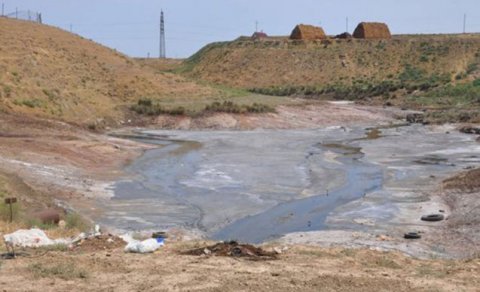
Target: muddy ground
[{"x": 61, "y": 161}]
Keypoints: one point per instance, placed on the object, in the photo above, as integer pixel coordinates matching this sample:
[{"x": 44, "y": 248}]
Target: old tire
[
  {"x": 412, "y": 235},
  {"x": 433, "y": 217}
]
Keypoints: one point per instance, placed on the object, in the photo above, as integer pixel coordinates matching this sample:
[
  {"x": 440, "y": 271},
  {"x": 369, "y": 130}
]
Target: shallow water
[{"x": 257, "y": 185}]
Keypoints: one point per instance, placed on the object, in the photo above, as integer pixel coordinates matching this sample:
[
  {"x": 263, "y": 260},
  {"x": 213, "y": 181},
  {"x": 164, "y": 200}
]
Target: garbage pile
[
  {"x": 234, "y": 249},
  {"x": 92, "y": 241}
]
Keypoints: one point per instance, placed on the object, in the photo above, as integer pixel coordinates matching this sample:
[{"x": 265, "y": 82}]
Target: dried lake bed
[{"x": 257, "y": 186}]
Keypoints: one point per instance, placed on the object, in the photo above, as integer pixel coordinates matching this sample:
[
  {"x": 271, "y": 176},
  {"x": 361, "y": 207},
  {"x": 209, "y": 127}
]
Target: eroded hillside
[
  {"x": 51, "y": 73},
  {"x": 280, "y": 62}
]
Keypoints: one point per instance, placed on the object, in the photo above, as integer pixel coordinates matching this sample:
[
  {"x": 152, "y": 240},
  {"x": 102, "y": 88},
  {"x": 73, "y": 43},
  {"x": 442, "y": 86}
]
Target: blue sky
[{"x": 132, "y": 26}]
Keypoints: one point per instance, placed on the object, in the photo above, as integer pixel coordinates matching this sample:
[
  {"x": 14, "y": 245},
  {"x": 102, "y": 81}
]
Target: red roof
[{"x": 259, "y": 34}]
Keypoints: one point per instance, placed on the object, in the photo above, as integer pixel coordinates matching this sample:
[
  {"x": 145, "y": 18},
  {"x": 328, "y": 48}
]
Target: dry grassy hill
[
  {"x": 281, "y": 62},
  {"x": 51, "y": 73}
]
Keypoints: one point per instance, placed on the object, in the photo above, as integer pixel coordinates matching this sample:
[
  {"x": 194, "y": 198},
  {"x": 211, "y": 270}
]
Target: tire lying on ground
[
  {"x": 433, "y": 217},
  {"x": 412, "y": 235}
]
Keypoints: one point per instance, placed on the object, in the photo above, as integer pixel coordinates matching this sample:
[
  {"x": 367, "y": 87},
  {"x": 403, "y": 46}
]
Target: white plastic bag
[
  {"x": 146, "y": 246},
  {"x": 30, "y": 238}
]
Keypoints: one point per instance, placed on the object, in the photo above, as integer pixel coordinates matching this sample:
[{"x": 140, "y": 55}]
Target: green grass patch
[
  {"x": 5, "y": 211},
  {"x": 54, "y": 247},
  {"x": 458, "y": 95},
  {"x": 65, "y": 271},
  {"x": 75, "y": 221},
  {"x": 149, "y": 107},
  {"x": 231, "y": 107},
  {"x": 31, "y": 103},
  {"x": 35, "y": 223}
]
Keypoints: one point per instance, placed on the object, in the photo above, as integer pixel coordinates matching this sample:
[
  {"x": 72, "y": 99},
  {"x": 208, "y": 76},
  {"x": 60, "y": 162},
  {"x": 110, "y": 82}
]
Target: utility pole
[
  {"x": 71, "y": 28},
  {"x": 163, "y": 51},
  {"x": 465, "y": 23},
  {"x": 347, "y": 24},
  {"x": 3, "y": 9},
  {"x": 16, "y": 12},
  {"x": 256, "y": 26}
]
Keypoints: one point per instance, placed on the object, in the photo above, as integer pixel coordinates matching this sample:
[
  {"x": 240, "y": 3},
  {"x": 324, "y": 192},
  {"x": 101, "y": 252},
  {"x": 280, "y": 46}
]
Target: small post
[{"x": 11, "y": 201}]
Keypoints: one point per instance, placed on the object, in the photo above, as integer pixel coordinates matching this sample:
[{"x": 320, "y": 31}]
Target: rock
[
  {"x": 416, "y": 118},
  {"x": 206, "y": 251}
]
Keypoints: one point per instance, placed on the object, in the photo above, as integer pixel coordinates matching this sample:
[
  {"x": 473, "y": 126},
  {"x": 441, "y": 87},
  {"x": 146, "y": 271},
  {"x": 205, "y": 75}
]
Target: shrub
[
  {"x": 424, "y": 58},
  {"x": 146, "y": 106},
  {"x": 472, "y": 68},
  {"x": 231, "y": 107},
  {"x": 7, "y": 90},
  {"x": 75, "y": 221},
  {"x": 31, "y": 103}
]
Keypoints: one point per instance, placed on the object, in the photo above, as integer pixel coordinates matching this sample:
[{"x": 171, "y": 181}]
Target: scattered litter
[
  {"x": 234, "y": 249},
  {"x": 147, "y": 246}
]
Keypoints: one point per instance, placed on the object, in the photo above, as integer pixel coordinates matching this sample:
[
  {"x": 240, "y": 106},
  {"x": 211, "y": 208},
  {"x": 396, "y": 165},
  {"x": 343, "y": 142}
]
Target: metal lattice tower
[{"x": 163, "y": 51}]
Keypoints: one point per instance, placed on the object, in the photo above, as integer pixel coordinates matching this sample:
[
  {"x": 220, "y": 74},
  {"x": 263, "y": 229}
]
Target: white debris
[
  {"x": 30, "y": 238},
  {"x": 146, "y": 246}
]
